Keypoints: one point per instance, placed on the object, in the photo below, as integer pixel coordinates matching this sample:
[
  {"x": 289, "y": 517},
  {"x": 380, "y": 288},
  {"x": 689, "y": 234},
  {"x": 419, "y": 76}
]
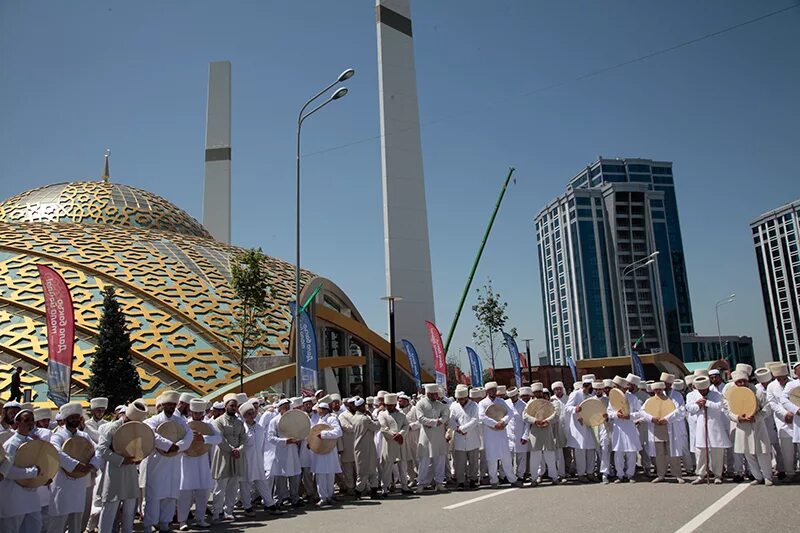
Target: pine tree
[{"x": 114, "y": 375}]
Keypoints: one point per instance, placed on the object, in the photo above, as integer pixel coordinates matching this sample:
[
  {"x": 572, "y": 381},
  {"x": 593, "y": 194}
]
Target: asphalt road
[{"x": 641, "y": 507}]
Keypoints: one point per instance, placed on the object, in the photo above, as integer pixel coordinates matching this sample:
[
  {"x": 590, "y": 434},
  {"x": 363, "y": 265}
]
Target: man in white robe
[
  {"x": 542, "y": 439},
  {"x": 196, "y": 482},
  {"x": 269, "y": 460},
  {"x": 495, "y": 439},
  {"x": 325, "y": 466},
  {"x": 517, "y": 433},
  {"x": 466, "y": 437},
  {"x": 394, "y": 430},
  {"x": 254, "y": 478},
  {"x": 784, "y": 419},
  {"x": 791, "y": 407},
  {"x": 68, "y": 494},
  {"x": 412, "y": 439},
  {"x": 98, "y": 408},
  {"x": 120, "y": 480},
  {"x": 712, "y": 411},
  {"x": 579, "y": 435},
  {"x": 286, "y": 465},
  {"x": 433, "y": 416},
  {"x": 20, "y": 508},
  {"x": 560, "y": 425},
  {"x": 162, "y": 473},
  {"x": 624, "y": 434},
  {"x": 665, "y": 437},
  {"x": 750, "y": 436}
]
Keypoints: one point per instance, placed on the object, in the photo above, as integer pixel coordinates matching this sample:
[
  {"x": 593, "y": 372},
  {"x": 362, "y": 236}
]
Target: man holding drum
[
  {"x": 196, "y": 479},
  {"x": 20, "y": 509},
  {"x": 326, "y": 465},
  {"x": 495, "y": 439},
  {"x": 750, "y": 435}
]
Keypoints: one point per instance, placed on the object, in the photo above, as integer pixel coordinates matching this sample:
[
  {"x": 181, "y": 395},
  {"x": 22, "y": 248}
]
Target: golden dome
[{"x": 100, "y": 202}]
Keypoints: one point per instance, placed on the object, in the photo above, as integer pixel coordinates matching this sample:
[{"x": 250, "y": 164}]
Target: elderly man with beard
[
  {"x": 394, "y": 430},
  {"x": 228, "y": 462},
  {"x": 255, "y": 476},
  {"x": 68, "y": 494},
  {"x": 20, "y": 510},
  {"x": 432, "y": 448},
  {"x": 162, "y": 473}
]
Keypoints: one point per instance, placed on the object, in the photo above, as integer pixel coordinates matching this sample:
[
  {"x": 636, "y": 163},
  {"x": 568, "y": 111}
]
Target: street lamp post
[
  {"x": 528, "y": 353},
  {"x": 641, "y": 263},
  {"x": 724, "y": 301},
  {"x": 392, "y": 345},
  {"x": 347, "y": 74}
]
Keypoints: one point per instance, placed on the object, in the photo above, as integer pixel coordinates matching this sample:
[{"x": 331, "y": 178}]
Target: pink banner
[
  {"x": 439, "y": 362},
  {"x": 60, "y": 334}
]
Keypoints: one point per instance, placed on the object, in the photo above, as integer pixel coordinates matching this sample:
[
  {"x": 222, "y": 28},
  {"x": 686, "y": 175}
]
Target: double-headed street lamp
[
  {"x": 724, "y": 301},
  {"x": 392, "y": 347},
  {"x": 641, "y": 263},
  {"x": 346, "y": 75}
]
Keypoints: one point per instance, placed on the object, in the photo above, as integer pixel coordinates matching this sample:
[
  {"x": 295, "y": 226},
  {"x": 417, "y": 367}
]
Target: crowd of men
[{"x": 392, "y": 444}]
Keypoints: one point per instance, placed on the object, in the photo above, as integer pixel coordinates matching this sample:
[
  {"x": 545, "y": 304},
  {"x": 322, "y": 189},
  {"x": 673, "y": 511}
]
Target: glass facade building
[
  {"x": 733, "y": 349},
  {"x": 615, "y": 212},
  {"x": 776, "y": 244}
]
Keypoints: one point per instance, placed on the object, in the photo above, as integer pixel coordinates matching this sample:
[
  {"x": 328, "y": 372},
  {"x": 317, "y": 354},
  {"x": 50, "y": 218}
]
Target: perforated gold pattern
[{"x": 173, "y": 286}]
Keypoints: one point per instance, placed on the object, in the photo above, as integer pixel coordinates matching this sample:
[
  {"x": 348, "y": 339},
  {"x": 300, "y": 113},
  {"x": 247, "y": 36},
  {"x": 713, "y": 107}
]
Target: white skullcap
[
  {"x": 633, "y": 379},
  {"x": 22, "y": 412},
  {"x": 780, "y": 370},
  {"x": 501, "y": 389},
  {"x": 678, "y": 385},
  {"x": 490, "y": 385},
  {"x": 597, "y": 384},
  {"x": 71, "y": 408},
  {"x": 59, "y": 418},
  {"x": 197, "y": 405},
  {"x": 282, "y": 402},
  {"x": 701, "y": 372},
  {"x": 713, "y": 372},
  {"x": 590, "y": 375},
  {"x": 620, "y": 381},
  {"x": 403, "y": 396},
  {"x": 557, "y": 384},
  {"x": 323, "y": 405},
  {"x": 736, "y": 375},
  {"x": 42, "y": 413},
  {"x": 608, "y": 383},
  {"x": 747, "y": 369},
  {"x": 536, "y": 387},
  {"x": 763, "y": 375},
  {"x": 512, "y": 392},
  {"x": 358, "y": 401},
  {"x": 370, "y": 399},
  {"x": 390, "y": 399},
  {"x": 12, "y": 403},
  {"x": 308, "y": 399},
  {"x": 577, "y": 385},
  {"x": 296, "y": 402},
  {"x": 218, "y": 405},
  {"x": 97, "y": 403},
  {"x": 431, "y": 388},
  {"x": 336, "y": 397},
  {"x": 381, "y": 394},
  {"x": 241, "y": 398},
  {"x": 319, "y": 391},
  {"x": 119, "y": 409},
  {"x": 658, "y": 385},
  {"x": 689, "y": 379},
  {"x": 246, "y": 406},
  {"x": 666, "y": 377},
  {"x": 702, "y": 382},
  {"x": 170, "y": 396},
  {"x": 461, "y": 393},
  {"x": 185, "y": 397},
  {"x": 477, "y": 393},
  {"x": 587, "y": 379},
  {"x": 230, "y": 397},
  {"x": 526, "y": 391},
  {"x": 136, "y": 410}
]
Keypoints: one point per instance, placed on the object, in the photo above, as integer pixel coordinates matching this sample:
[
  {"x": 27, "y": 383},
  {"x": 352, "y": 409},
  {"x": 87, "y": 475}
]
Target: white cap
[
  {"x": 779, "y": 370},
  {"x": 381, "y": 394},
  {"x": 218, "y": 406},
  {"x": 12, "y": 403},
  {"x": 323, "y": 405},
  {"x": 246, "y": 406},
  {"x": 283, "y": 401},
  {"x": 537, "y": 387},
  {"x": 689, "y": 379},
  {"x": 737, "y": 375},
  {"x": 59, "y": 418},
  {"x": 512, "y": 392},
  {"x": 42, "y": 413},
  {"x": 713, "y": 372},
  {"x": 633, "y": 379},
  {"x": 701, "y": 372},
  {"x": 358, "y": 401},
  {"x": 71, "y": 408},
  {"x": 658, "y": 385},
  {"x": 577, "y": 385},
  {"x": 608, "y": 383},
  {"x": 170, "y": 396},
  {"x": 136, "y": 410},
  {"x": 588, "y": 378},
  {"x": 477, "y": 393},
  {"x": 702, "y": 382},
  {"x": 431, "y": 388},
  {"x": 501, "y": 389},
  {"x": 597, "y": 384},
  {"x": 490, "y": 385},
  {"x": 185, "y": 397},
  {"x": 296, "y": 402},
  {"x": 309, "y": 399},
  {"x": 370, "y": 400},
  {"x": 390, "y": 399},
  {"x": 119, "y": 409},
  {"x": 747, "y": 369},
  {"x": 461, "y": 393},
  {"x": 241, "y": 398},
  {"x": 557, "y": 384},
  {"x": 678, "y": 385},
  {"x": 526, "y": 391},
  {"x": 666, "y": 377},
  {"x": 197, "y": 405},
  {"x": 230, "y": 397},
  {"x": 97, "y": 403},
  {"x": 763, "y": 375},
  {"x": 336, "y": 397},
  {"x": 620, "y": 381}
]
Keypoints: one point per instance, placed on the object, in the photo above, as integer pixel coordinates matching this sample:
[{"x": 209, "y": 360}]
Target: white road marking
[
  {"x": 712, "y": 509},
  {"x": 479, "y": 498}
]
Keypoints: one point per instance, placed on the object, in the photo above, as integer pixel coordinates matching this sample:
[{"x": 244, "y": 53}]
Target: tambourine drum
[
  {"x": 133, "y": 439},
  {"x": 742, "y": 401},
  {"x": 539, "y": 409},
  {"x": 294, "y": 424},
  {"x": 592, "y": 411},
  {"x": 619, "y": 402},
  {"x": 197, "y": 449},
  {"x": 496, "y": 412},
  {"x": 794, "y": 396},
  {"x": 317, "y": 443},
  {"x": 37, "y": 453},
  {"x": 173, "y": 432},
  {"x": 82, "y": 450},
  {"x": 658, "y": 407}
]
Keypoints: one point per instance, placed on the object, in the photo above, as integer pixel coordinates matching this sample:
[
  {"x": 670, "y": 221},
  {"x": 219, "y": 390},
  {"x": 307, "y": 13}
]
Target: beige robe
[
  {"x": 234, "y": 436},
  {"x": 347, "y": 440},
  {"x": 366, "y": 455},
  {"x": 392, "y": 423},
  {"x": 431, "y": 439}
]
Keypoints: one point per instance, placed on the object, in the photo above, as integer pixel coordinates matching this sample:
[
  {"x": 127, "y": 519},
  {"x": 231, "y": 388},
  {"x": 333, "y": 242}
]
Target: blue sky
[{"x": 78, "y": 77}]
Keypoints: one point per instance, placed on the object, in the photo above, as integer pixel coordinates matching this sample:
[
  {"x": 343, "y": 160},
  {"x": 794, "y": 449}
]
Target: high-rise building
[
  {"x": 704, "y": 348},
  {"x": 614, "y": 213},
  {"x": 776, "y": 242}
]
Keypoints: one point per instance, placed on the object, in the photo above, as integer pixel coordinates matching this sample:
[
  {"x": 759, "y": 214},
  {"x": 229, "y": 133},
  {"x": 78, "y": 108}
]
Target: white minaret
[
  {"x": 405, "y": 217},
  {"x": 217, "y": 189}
]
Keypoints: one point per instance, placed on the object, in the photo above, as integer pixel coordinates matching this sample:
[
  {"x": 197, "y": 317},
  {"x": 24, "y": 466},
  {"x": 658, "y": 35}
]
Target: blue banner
[
  {"x": 475, "y": 368},
  {"x": 305, "y": 335},
  {"x": 572, "y": 368},
  {"x": 638, "y": 367},
  {"x": 513, "y": 351},
  {"x": 413, "y": 360}
]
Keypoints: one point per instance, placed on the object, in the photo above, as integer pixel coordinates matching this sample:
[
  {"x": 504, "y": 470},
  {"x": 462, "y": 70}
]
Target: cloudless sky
[{"x": 77, "y": 77}]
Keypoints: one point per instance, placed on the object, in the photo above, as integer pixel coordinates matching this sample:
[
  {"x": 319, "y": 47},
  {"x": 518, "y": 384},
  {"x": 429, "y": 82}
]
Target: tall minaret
[
  {"x": 405, "y": 217},
  {"x": 217, "y": 190}
]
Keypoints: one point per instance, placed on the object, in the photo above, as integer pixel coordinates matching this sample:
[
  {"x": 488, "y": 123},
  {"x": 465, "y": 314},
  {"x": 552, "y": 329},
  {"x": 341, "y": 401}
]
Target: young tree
[
  {"x": 491, "y": 314},
  {"x": 252, "y": 289},
  {"x": 114, "y": 375}
]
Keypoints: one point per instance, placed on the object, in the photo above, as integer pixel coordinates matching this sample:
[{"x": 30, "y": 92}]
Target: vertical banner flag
[
  {"x": 439, "y": 363},
  {"x": 572, "y": 368},
  {"x": 523, "y": 360},
  {"x": 475, "y": 368},
  {"x": 413, "y": 360},
  {"x": 60, "y": 334},
  {"x": 513, "y": 351},
  {"x": 306, "y": 336},
  {"x": 638, "y": 367}
]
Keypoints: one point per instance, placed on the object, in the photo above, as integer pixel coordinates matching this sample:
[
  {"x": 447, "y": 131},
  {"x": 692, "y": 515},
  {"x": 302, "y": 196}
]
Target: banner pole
[{"x": 477, "y": 260}]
